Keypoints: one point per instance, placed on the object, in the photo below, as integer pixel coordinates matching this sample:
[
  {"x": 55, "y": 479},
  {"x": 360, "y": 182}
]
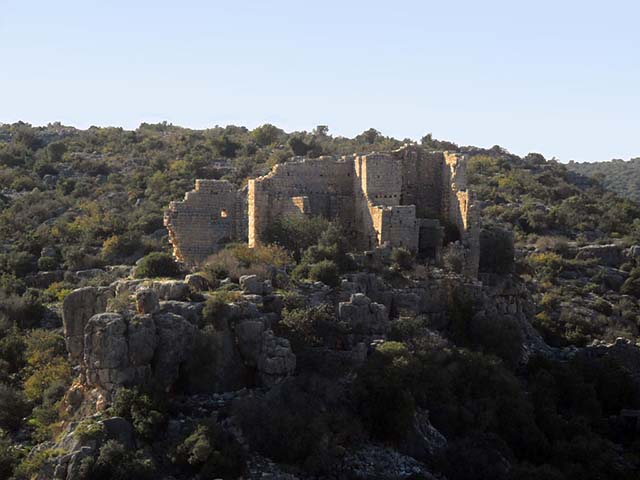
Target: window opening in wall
[{"x": 223, "y": 213}]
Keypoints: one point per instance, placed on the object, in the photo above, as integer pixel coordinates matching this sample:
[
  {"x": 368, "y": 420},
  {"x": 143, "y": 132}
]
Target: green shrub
[
  {"x": 117, "y": 247},
  {"x": 88, "y": 430},
  {"x": 115, "y": 462},
  {"x": 157, "y": 264},
  {"x": 296, "y": 233},
  {"x": 32, "y": 464},
  {"x": 326, "y": 272},
  {"x": 10, "y": 455},
  {"x": 382, "y": 392},
  {"x": 211, "y": 453},
  {"x": 496, "y": 251},
  {"x": 147, "y": 414},
  {"x": 307, "y": 327},
  {"x": 47, "y": 263},
  {"x": 402, "y": 258},
  {"x": 13, "y": 407},
  {"x": 216, "y": 309}
]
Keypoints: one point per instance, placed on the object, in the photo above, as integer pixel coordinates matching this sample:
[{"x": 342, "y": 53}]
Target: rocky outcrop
[
  {"x": 259, "y": 348},
  {"x": 196, "y": 282},
  {"x": 147, "y": 301},
  {"x": 170, "y": 289},
  {"x": 423, "y": 440},
  {"x": 610, "y": 255},
  {"x": 77, "y": 308},
  {"x": 276, "y": 360},
  {"x": 364, "y": 317},
  {"x": 252, "y": 285},
  {"x": 119, "y": 351}
]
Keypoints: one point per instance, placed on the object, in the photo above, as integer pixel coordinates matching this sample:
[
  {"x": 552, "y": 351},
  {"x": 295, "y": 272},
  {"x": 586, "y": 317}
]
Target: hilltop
[{"x": 622, "y": 177}]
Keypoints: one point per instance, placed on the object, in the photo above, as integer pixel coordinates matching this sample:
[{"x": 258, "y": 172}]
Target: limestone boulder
[
  {"x": 251, "y": 285},
  {"x": 142, "y": 340},
  {"x": 147, "y": 301},
  {"x": 171, "y": 289},
  {"x": 249, "y": 339},
  {"x": 126, "y": 287},
  {"x": 191, "y": 311},
  {"x": 197, "y": 282},
  {"x": 610, "y": 255},
  {"x": 276, "y": 361},
  {"x": 363, "y": 315},
  {"x": 175, "y": 337},
  {"x": 77, "y": 308},
  {"x": 106, "y": 350},
  {"x": 119, "y": 429}
]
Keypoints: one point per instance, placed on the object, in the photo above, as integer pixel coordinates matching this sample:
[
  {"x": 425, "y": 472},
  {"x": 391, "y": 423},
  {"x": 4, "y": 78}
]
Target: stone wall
[
  {"x": 208, "y": 217},
  {"x": 402, "y": 198}
]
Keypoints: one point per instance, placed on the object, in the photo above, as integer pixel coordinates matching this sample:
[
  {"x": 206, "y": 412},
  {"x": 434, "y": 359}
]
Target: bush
[
  {"x": 326, "y": 272},
  {"x": 499, "y": 336},
  {"x": 496, "y": 251},
  {"x": 157, "y": 264},
  {"x": 9, "y": 456},
  {"x": 145, "y": 413},
  {"x": 238, "y": 260},
  {"x": 118, "y": 247},
  {"x": 216, "y": 308},
  {"x": 296, "y": 233},
  {"x": 307, "y": 327},
  {"x": 23, "y": 312},
  {"x": 382, "y": 392},
  {"x": 13, "y": 407},
  {"x": 211, "y": 453},
  {"x": 115, "y": 462},
  {"x": 402, "y": 258},
  {"x": 46, "y": 264}
]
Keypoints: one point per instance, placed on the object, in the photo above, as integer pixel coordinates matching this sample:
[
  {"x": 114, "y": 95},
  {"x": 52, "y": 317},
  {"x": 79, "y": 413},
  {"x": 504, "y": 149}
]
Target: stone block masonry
[{"x": 402, "y": 198}]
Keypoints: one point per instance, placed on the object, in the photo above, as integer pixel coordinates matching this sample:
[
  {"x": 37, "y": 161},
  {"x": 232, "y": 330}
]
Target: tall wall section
[
  {"x": 423, "y": 183},
  {"x": 208, "y": 217},
  {"x": 319, "y": 187},
  {"x": 460, "y": 209}
]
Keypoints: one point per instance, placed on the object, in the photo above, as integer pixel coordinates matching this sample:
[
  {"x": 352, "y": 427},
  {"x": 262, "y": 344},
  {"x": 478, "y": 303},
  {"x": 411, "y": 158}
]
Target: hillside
[
  {"x": 622, "y": 177},
  {"x": 305, "y": 358}
]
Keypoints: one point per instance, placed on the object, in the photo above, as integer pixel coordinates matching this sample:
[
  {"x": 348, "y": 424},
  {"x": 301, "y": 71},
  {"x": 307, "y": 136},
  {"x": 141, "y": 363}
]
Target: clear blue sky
[{"x": 557, "y": 77}]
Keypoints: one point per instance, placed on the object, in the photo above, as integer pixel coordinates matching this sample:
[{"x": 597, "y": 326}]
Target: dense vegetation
[
  {"x": 622, "y": 177},
  {"x": 72, "y": 200}
]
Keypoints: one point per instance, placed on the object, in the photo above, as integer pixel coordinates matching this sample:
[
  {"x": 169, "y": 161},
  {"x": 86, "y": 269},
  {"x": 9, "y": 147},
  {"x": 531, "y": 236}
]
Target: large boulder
[
  {"x": 121, "y": 351},
  {"x": 147, "y": 301},
  {"x": 191, "y": 311},
  {"x": 77, "y": 308},
  {"x": 197, "y": 282},
  {"x": 106, "y": 350},
  {"x": 363, "y": 315},
  {"x": 610, "y": 255},
  {"x": 252, "y": 285},
  {"x": 171, "y": 289},
  {"x": 259, "y": 348},
  {"x": 276, "y": 361},
  {"x": 175, "y": 337}
]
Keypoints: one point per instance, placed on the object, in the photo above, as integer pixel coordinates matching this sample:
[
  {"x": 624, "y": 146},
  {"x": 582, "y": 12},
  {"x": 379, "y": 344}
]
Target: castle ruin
[{"x": 406, "y": 198}]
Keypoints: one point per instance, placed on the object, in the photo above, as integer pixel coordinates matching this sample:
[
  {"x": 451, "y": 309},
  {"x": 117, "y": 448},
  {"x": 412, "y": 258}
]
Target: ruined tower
[{"x": 405, "y": 198}]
